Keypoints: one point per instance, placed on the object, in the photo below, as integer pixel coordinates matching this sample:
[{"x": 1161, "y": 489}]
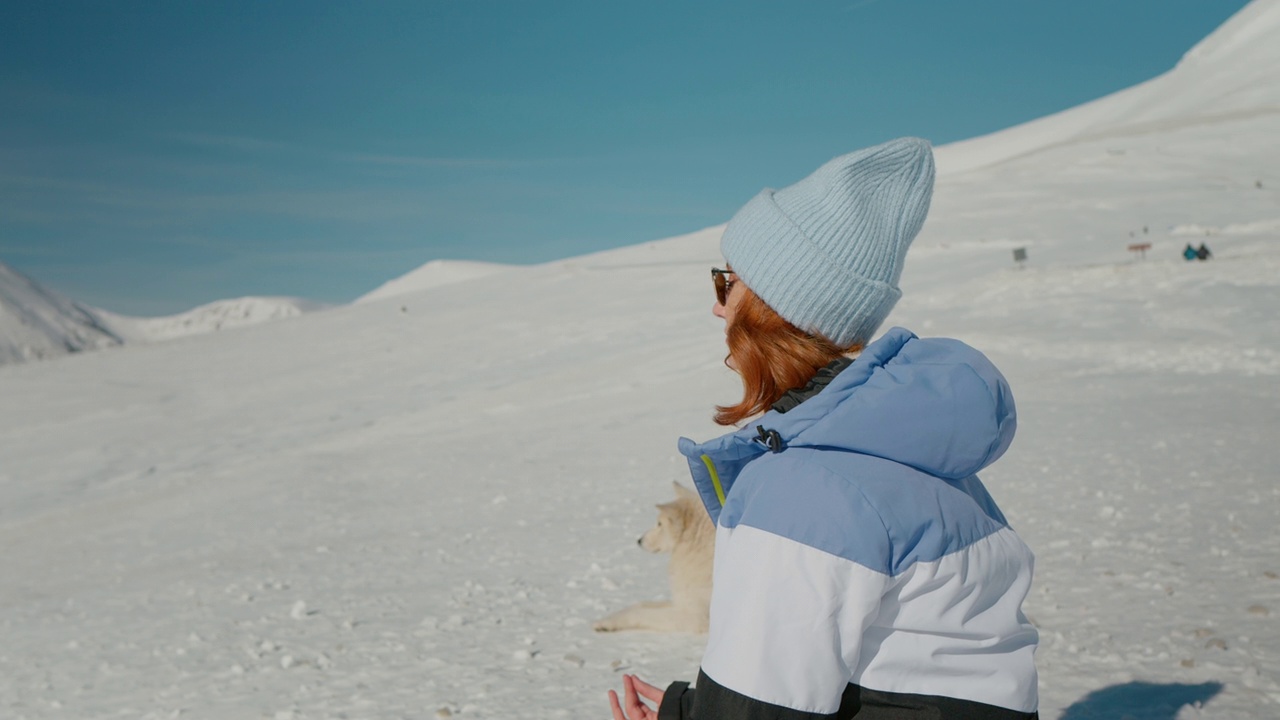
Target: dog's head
[{"x": 673, "y": 519}]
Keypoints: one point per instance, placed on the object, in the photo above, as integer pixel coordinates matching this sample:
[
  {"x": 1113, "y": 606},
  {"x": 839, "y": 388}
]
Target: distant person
[
  {"x": 861, "y": 568},
  {"x": 1203, "y": 252},
  {"x": 1190, "y": 252}
]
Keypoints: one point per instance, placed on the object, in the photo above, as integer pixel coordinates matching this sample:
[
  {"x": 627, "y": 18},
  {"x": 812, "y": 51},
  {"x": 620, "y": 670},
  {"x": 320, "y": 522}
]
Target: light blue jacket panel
[
  {"x": 907, "y": 413},
  {"x": 856, "y": 545}
]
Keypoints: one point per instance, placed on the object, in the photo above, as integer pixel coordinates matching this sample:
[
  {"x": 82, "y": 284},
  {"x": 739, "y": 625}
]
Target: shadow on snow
[{"x": 1140, "y": 701}]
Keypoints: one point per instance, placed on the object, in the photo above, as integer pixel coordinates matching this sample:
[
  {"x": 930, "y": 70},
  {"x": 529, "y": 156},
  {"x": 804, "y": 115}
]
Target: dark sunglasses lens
[{"x": 721, "y": 287}]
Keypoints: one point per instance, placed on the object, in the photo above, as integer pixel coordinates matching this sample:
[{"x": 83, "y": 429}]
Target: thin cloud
[
  {"x": 234, "y": 142},
  {"x": 434, "y": 162},
  {"x": 9, "y": 250},
  {"x": 256, "y": 145},
  {"x": 43, "y": 182},
  {"x": 859, "y": 5}
]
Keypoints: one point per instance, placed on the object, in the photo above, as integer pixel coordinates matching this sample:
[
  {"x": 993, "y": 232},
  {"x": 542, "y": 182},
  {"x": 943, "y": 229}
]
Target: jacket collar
[
  {"x": 715, "y": 464},
  {"x": 823, "y": 378}
]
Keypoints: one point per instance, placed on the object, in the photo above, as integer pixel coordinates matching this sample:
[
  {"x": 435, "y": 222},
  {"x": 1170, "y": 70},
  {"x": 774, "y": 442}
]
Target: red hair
[{"x": 772, "y": 356}]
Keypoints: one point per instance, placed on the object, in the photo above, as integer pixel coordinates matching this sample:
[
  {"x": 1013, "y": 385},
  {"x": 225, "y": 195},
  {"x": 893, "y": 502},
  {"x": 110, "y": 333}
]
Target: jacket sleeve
[
  {"x": 677, "y": 702},
  {"x": 789, "y": 610}
]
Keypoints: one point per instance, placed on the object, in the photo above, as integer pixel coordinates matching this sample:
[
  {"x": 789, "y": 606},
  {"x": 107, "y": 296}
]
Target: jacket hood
[{"x": 936, "y": 405}]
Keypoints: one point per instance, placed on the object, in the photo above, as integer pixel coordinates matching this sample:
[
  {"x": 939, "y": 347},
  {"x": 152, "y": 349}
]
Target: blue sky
[{"x": 159, "y": 155}]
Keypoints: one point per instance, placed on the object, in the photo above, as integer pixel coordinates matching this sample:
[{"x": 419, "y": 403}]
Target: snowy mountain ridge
[
  {"x": 1245, "y": 32},
  {"x": 38, "y": 323},
  {"x": 207, "y": 318},
  {"x": 432, "y": 274},
  {"x": 1230, "y": 75}
]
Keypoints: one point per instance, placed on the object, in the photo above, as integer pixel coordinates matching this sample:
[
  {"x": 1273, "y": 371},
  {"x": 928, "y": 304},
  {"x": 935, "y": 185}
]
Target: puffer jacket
[{"x": 861, "y": 568}]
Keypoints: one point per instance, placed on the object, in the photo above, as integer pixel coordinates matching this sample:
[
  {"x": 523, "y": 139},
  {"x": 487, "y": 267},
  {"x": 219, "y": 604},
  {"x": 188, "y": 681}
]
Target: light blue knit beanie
[{"x": 826, "y": 253}]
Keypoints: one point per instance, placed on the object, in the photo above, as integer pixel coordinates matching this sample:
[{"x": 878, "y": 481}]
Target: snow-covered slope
[
  {"x": 1227, "y": 78},
  {"x": 38, "y": 323},
  {"x": 211, "y": 317},
  {"x": 430, "y": 275},
  {"x": 421, "y": 519},
  {"x": 1195, "y": 147}
]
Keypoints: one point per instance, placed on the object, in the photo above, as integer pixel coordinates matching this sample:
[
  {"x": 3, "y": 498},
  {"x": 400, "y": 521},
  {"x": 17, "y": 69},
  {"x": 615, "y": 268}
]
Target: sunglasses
[{"x": 723, "y": 284}]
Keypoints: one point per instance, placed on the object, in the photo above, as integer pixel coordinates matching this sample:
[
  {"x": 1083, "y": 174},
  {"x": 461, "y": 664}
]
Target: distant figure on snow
[
  {"x": 1190, "y": 253},
  {"x": 1203, "y": 253}
]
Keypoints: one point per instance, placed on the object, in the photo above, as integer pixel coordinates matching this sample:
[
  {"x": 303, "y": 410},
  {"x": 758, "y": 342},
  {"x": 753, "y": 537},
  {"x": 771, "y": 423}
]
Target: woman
[{"x": 861, "y": 568}]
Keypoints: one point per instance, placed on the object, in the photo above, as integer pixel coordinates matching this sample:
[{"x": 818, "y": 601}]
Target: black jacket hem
[{"x": 712, "y": 701}]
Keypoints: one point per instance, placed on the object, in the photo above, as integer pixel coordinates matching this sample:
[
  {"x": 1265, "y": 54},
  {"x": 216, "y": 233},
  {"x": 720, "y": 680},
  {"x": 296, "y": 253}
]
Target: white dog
[{"x": 684, "y": 530}]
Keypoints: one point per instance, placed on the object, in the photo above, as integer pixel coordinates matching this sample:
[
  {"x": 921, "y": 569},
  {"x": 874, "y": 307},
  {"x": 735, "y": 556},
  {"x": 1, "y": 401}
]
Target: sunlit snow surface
[
  {"x": 414, "y": 507},
  {"x": 211, "y": 317},
  {"x": 431, "y": 275}
]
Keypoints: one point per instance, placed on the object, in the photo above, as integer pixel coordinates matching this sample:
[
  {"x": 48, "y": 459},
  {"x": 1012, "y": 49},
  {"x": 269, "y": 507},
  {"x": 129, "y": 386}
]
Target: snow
[
  {"x": 430, "y": 275},
  {"x": 1227, "y": 77},
  {"x": 211, "y": 317},
  {"x": 38, "y": 323},
  {"x": 377, "y": 512}
]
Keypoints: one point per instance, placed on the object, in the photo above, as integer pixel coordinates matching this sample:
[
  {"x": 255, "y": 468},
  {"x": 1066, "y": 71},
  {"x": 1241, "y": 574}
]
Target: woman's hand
[{"x": 633, "y": 687}]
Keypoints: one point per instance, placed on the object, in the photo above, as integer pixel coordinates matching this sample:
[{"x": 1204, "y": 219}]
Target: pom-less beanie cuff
[
  {"x": 826, "y": 253},
  {"x": 800, "y": 282}
]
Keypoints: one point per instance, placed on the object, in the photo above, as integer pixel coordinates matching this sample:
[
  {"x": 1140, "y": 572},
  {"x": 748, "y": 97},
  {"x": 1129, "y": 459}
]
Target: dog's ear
[
  {"x": 683, "y": 492},
  {"x": 674, "y": 513}
]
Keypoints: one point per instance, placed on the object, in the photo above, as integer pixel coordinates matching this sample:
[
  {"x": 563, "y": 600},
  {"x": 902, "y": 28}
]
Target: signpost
[{"x": 1141, "y": 249}]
